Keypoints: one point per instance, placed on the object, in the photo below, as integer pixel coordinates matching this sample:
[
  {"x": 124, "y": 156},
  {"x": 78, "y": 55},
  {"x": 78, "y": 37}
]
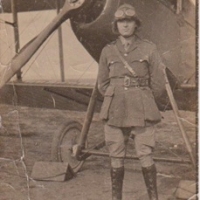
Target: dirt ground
[{"x": 26, "y": 136}]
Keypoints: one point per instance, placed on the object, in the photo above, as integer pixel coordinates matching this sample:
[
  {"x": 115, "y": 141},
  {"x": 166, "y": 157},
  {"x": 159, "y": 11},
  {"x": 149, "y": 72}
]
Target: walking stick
[
  {"x": 177, "y": 116},
  {"x": 29, "y": 49}
]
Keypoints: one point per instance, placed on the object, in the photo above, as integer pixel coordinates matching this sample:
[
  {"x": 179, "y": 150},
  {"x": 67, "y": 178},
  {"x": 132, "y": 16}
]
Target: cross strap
[{"x": 126, "y": 65}]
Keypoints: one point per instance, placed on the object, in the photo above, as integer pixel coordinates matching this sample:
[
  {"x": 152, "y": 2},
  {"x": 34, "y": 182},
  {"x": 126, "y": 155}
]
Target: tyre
[{"x": 64, "y": 142}]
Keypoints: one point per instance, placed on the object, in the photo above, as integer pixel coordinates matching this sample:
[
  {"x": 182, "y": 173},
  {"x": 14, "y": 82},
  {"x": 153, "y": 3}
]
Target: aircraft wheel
[{"x": 64, "y": 142}]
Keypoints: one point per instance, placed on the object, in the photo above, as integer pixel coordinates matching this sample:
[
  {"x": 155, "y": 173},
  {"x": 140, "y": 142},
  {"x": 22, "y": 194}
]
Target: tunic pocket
[
  {"x": 106, "y": 103},
  {"x": 140, "y": 67},
  {"x": 150, "y": 108}
]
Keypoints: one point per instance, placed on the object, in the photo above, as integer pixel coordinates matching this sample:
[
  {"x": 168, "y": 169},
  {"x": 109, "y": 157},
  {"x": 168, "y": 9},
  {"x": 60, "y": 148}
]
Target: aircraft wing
[{"x": 30, "y": 5}]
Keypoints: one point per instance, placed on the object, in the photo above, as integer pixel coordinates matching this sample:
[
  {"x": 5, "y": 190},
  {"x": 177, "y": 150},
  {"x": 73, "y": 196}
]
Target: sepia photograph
[{"x": 99, "y": 100}]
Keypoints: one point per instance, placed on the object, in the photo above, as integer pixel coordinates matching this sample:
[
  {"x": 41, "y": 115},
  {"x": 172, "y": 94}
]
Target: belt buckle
[{"x": 127, "y": 81}]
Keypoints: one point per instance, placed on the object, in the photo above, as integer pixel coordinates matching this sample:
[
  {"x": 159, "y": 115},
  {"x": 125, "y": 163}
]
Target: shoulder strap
[{"x": 126, "y": 65}]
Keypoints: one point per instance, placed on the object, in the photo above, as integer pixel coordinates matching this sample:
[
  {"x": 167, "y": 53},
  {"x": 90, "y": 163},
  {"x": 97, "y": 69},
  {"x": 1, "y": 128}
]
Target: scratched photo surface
[{"x": 50, "y": 104}]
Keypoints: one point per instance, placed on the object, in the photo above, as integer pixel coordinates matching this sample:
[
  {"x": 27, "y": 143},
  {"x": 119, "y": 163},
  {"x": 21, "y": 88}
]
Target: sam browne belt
[{"x": 130, "y": 81}]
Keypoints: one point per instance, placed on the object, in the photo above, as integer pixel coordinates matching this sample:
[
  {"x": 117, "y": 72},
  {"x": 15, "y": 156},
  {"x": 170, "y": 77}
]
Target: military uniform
[{"x": 129, "y": 101}]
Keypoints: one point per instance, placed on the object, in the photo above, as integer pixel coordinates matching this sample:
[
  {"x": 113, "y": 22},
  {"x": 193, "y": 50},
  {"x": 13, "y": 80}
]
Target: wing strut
[{"x": 178, "y": 119}]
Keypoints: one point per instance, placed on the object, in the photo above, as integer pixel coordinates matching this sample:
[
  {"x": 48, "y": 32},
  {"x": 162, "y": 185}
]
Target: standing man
[{"x": 130, "y": 78}]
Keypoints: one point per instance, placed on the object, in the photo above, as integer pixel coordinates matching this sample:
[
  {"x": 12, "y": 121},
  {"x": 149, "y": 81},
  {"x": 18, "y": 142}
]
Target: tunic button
[
  {"x": 125, "y": 88},
  {"x": 125, "y": 54}
]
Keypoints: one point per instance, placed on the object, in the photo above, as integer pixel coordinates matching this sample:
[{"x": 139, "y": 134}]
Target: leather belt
[{"x": 130, "y": 81}]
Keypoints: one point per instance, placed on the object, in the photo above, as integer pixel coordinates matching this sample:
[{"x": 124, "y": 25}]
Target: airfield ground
[{"x": 26, "y": 137}]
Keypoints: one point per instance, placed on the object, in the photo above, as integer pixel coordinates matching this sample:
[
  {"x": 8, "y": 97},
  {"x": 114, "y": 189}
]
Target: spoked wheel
[{"x": 63, "y": 143}]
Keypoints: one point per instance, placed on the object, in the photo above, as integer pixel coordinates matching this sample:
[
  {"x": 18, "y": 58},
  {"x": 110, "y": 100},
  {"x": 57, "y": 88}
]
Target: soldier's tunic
[{"x": 134, "y": 105}]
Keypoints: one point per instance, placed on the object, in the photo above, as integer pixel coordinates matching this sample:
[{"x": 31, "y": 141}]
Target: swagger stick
[
  {"x": 29, "y": 49},
  {"x": 177, "y": 116}
]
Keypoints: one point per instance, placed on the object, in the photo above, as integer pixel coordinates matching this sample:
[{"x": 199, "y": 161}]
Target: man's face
[{"x": 126, "y": 27}]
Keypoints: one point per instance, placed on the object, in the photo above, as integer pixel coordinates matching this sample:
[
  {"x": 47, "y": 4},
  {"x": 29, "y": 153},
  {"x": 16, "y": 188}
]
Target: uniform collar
[
  {"x": 133, "y": 43},
  {"x": 125, "y": 41}
]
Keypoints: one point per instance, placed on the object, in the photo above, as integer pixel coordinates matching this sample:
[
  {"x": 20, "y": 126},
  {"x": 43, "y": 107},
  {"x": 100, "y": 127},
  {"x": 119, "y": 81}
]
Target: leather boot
[
  {"x": 149, "y": 174},
  {"x": 117, "y": 176}
]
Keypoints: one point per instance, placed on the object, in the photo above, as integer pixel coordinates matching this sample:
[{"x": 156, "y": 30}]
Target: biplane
[{"x": 170, "y": 24}]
